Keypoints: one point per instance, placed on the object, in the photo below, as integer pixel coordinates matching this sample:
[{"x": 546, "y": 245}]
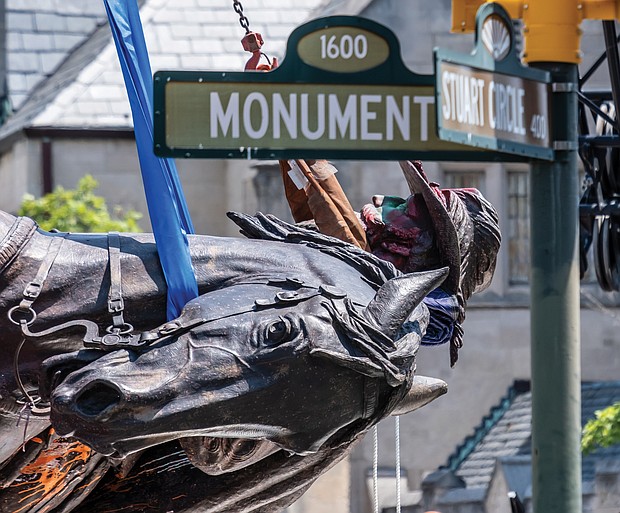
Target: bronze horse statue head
[
  {"x": 293, "y": 351},
  {"x": 279, "y": 359}
]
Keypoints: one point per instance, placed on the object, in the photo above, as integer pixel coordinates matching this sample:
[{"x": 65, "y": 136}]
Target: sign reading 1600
[
  {"x": 343, "y": 49},
  {"x": 346, "y": 47}
]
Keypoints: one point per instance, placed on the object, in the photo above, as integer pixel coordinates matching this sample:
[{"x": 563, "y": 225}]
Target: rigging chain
[
  {"x": 253, "y": 42},
  {"x": 243, "y": 20}
]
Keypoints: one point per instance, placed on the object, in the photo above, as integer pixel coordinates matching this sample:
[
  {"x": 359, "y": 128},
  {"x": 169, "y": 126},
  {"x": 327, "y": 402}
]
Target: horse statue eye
[
  {"x": 241, "y": 447},
  {"x": 278, "y": 331}
]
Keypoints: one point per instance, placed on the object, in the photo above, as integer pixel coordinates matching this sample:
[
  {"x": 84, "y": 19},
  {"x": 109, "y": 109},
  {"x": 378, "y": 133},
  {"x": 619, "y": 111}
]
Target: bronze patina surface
[{"x": 289, "y": 356}]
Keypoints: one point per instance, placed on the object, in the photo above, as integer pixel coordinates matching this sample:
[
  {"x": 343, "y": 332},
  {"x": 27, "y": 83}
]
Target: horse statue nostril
[
  {"x": 96, "y": 399},
  {"x": 55, "y": 369}
]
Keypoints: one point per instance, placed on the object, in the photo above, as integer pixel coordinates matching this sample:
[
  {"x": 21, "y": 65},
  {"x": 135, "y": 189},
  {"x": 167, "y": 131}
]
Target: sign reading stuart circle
[
  {"x": 494, "y": 106},
  {"x": 488, "y": 99},
  {"x": 342, "y": 92}
]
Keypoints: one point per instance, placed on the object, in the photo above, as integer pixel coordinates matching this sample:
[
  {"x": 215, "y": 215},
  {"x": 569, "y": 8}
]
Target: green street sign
[
  {"x": 342, "y": 92},
  {"x": 488, "y": 99}
]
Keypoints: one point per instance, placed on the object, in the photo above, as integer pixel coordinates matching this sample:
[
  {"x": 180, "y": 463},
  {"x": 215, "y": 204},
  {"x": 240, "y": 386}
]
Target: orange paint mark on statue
[{"x": 48, "y": 473}]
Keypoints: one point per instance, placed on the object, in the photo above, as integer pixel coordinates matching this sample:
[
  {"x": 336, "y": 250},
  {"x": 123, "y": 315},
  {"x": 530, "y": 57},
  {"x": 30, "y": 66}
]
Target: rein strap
[{"x": 30, "y": 294}]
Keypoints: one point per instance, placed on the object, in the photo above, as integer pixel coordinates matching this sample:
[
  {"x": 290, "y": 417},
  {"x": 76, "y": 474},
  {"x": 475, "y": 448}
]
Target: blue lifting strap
[{"x": 164, "y": 196}]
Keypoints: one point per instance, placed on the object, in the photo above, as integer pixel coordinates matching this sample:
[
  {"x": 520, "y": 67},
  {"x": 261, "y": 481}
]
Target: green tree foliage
[
  {"x": 78, "y": 210},
  {"x": 603, "y": 430}
]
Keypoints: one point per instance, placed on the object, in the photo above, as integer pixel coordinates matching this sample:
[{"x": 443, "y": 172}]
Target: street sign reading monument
[
  {"x": 488, "y": 99},
  {"x": 342, "y": 92}
]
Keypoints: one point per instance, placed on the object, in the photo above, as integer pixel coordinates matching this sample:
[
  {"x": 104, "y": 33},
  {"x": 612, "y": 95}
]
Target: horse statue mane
[{"x": 268, "y": 227}]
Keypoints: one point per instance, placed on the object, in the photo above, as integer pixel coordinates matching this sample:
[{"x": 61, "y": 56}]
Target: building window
[
  {"x": 465, "y": 179},
  {"x": 518, "y": 228}
]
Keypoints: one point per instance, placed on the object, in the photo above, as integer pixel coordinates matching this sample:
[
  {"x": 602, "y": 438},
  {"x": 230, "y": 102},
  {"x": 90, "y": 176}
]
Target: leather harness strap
[
  {"x": 23, "y": 315},
  {"x": 33, "y": 289},
  {"x": 28, "y": 316},
  {"x": 116, "y": 304}
]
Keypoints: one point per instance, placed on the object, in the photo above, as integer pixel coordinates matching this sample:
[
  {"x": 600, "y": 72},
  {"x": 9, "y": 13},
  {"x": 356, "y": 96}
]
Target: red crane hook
[{"x": 253, "y": 42}]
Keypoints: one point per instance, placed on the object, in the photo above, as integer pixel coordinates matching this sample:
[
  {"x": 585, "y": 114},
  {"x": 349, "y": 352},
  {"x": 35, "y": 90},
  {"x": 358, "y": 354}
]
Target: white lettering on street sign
[
  {"x": 229, "y": 115},
  {"x": 492, "y": 105}
]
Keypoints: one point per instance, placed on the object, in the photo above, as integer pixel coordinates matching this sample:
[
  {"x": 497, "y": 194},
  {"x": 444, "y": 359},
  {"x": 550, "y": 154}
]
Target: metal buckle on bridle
[{"x": 116, "y": 304}]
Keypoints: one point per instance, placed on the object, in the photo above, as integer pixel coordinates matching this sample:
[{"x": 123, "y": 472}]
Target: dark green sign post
[
  {"x": 342, "y": 92},
  {"x": 489, "y": 100},
  {"x": 555, "y": 327}
]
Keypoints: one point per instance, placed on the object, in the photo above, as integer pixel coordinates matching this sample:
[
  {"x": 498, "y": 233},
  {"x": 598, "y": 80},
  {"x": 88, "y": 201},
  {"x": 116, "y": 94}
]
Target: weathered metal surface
[{"x": 292, "y": 345}]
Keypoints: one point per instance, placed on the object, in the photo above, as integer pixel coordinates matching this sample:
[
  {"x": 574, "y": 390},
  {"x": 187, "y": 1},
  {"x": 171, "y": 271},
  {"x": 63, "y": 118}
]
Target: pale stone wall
[
  {"x": 607, "y": 487},
  {"x": 113, "y": 163},
  {"x": 329, "y": 494},
  {"x": 19, "y": 174},
  {"x": 211, "y": 187},
  {"x": 497, "y": 494}
]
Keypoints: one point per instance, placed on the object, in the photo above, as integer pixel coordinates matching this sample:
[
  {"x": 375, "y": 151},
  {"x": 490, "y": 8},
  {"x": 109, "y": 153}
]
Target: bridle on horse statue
[
  {"x": 23, "y": 314},
  {"x": 120, "y": 334}
]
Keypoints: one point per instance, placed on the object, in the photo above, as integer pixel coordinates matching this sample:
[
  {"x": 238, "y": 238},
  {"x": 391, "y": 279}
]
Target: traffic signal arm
[
  {"x": 464, "y": 15},
  {"x": 550, "y": 27},
  {"x": 601, "y": 9},
  {"x": 464, "y": 12}
]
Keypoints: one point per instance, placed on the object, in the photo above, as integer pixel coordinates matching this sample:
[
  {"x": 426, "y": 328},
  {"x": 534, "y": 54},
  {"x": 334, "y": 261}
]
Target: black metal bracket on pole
[
  {"x": 599, "y": 208},
  {"x": 613, "y": 63}
]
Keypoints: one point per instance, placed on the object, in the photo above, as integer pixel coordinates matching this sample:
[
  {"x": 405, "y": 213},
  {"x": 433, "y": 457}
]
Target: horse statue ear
[
  {"x": 422, "y": 391},
  {"x": 397, "y": 298}
]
